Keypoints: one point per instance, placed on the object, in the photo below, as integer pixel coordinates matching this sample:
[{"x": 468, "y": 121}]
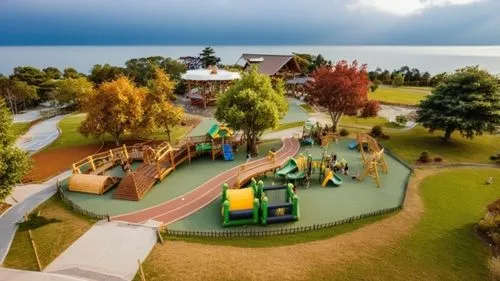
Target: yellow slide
[
  {"x": 331, "y": 176},
  {"x": 240, "y": 199}
]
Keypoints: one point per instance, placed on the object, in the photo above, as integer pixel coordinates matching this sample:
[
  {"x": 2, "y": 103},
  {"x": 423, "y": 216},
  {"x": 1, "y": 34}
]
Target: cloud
[{"x": 405, "y": 7}]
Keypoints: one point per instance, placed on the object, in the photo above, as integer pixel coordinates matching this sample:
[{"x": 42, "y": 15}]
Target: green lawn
[
  {"x": 290, "y": 125},
  {"x": 346, "y": 120},
  {"x": 401, "y": 95},
  {"x": 409, "y": 144},
  {"x": 307, "y": 108},
  {"x": 71, "y": 137},
  {"x": 51, "y": 239},
  {"x": 20, "y": 129},
  {"x": 443, "y": 245}
]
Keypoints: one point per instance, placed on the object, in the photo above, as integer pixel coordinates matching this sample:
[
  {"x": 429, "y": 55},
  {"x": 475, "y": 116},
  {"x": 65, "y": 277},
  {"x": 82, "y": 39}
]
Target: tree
[
  {"x": 52, "y": 73},
  {"x": 14, "y": 162},
  {"x": 374, "y": 85},
  {"x": 317, "y": 62},
  {"x": 17, "y": 93},
  {"x": 70, "y": 72},
  {"x": 161, "y": 113},
  {"x": 303, "y": 60},
  {"x": 398, "y": 80},
  {"x": 115, "y": 108},
  {"x": 370, "y": 109},
  {"x": 468, "y": 102},
  {"x": 341, "y": 89},
  {"x": 73, "y": 90},
  {"x": 252, "y": 105},
  {"x": 143, "y": 69},
  {"x": 104, "y": 73},
  {"x": 208, "y": 58}
]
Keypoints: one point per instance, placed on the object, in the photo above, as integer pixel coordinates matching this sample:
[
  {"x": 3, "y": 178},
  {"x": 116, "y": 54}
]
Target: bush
[
  {"x": 376, "y": 131},
  {"x": 438, "y": 159},
  {"x": 401, "y": 119},
  {"x": 374, "y": 85},
  {"x": 424, "y": 157},
  {"x": 343, "y": 132},
  {"x": 370, "y": 109},
  {"x": 495, "y": 157}
]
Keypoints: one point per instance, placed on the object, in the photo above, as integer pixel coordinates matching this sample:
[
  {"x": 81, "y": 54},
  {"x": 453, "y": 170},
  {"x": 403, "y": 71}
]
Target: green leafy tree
[
  {"x": 104, "y": 73},
  {"x": 468, "y": 102},
  {"x": 14, "y": 163},
  {"x": 398, "y": 79},
  {"x": 317, "y": 62},
  {"x": 303, "y": 60},
  {"x": 252, "y": 105},
  {"x": 115, "y": 108},
  {"x": 52, "y": 73},
  {"x": 18, "y": 93},
  {"x": 73, "y": 90},
  {"x": 143, "y": 69},
  {"x": 208, "y": 58},
  {"x": 70, "y": 72}
]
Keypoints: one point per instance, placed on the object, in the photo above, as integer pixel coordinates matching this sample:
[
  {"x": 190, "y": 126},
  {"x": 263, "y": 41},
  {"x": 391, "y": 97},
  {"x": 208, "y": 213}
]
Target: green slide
[
  {"x": 336, "y": 180},
  {"x": 298, "y": 175},
  {"x": 290, "y": 167}
]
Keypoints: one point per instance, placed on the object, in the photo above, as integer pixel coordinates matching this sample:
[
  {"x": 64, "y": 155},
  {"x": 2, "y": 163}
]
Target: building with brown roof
[{"x": 272, "y": 65}]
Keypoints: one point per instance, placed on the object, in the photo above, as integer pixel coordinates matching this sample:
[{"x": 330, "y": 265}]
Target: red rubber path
[{"x": 177, "y": 208}]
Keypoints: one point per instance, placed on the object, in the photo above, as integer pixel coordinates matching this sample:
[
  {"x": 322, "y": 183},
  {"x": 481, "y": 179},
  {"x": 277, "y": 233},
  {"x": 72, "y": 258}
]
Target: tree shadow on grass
[{"x": 35, "y": 222}]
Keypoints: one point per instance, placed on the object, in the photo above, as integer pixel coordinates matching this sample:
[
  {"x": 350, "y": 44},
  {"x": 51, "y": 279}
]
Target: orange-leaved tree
[
  {"x": 341, "y": 89},
  {"x": 114, "y": 108}
]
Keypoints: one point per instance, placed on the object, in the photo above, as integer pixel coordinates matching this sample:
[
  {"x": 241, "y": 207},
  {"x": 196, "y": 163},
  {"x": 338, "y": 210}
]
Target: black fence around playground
[
  {"x": 276, "y": 231},
  {"x": 76, "y": 208},
  {"x": 264, "y": 231}
]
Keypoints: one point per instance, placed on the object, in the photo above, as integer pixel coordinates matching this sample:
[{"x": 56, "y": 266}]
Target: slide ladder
[{"x": 227, "y": 152}]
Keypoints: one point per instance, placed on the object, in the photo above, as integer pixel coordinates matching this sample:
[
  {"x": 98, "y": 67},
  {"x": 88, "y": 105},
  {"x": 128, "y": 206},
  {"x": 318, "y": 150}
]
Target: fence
[
  {"x": 276, "y": 231},
  {"x": 76, "y": 208}
]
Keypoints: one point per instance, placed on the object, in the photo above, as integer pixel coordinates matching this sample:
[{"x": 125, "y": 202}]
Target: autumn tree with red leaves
[{"x": 341, "y": 88}]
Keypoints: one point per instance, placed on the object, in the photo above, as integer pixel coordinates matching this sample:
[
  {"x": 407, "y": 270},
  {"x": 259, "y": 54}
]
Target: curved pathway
[
  {"x": 186, "y": 204},
  {"x": 40, "y": 135}
]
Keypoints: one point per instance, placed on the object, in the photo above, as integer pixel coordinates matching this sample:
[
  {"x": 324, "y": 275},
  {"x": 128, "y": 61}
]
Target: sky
[{"x": 249, "y": 22}]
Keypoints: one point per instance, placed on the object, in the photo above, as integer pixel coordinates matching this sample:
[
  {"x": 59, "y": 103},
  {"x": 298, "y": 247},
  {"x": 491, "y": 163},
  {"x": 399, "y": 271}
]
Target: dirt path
[{"x": 294, "y": 262}]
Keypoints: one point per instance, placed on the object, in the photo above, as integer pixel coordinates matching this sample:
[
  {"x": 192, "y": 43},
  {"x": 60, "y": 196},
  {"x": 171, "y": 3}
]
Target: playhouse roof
[
  {"x": 217, "y": 131},
  {"x": 210, "y": 75}
]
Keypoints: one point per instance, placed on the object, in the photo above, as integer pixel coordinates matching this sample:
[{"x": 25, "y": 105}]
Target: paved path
[
  {"x": 186, "y": 204},
  {"x": 40, "y": 135},
  {"x": 24, "y": 275},
  {"x": 9, "y": 219},
  {"x": 27, "y": 116},
  {"x": 108, "y": 251}
]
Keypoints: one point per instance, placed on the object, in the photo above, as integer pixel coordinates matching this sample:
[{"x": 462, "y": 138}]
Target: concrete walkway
[
  {"x": 24, "y": 275},
  {"x": 108, "y": 251},
  {"x": 27, "y": 116},
  {"x": 28, "y": 199},
  {"x": 40, "y": 135}
]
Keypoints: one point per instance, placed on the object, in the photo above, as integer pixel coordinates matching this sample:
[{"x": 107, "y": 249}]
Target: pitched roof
[{"x": 267, "y": 64}]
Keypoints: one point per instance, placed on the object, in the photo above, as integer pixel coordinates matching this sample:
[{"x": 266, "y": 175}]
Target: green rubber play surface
[
  {"x": 322, "y": 205},
  {"x": 185, "y": 178}
]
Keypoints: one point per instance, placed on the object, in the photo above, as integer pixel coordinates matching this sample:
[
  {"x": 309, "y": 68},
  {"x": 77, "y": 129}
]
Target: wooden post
[
  {"x": 38, "y": 262},
  {"x": 91, "y": 160},
  {"x": 141, "y": 271},
  {"x": 160, "y": 238},
  {"x": 189, "y": 151},
  {"x": 125, "y": 152},
  {"x": 76, "y": 170},
  {"x": 111, "y": 155}
]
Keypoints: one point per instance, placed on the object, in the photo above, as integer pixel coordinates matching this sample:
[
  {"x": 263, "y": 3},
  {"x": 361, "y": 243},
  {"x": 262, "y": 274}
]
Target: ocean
[{"x": 435, "y": 59}]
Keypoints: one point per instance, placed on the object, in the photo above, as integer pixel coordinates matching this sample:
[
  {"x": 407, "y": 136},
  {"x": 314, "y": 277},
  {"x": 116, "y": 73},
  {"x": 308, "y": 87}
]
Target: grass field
[
  {"x": 20, "y": 128},
  {"x": 71, "y": 137},
  {"x": 346, "y": 120},
  {"x": 401, "y": 95},
  {"x": 290, "y": 125},
  {"x": 409, "y": 144},
  {"x": 443, "y": 245},
  {"x": 51, "y": 239}
]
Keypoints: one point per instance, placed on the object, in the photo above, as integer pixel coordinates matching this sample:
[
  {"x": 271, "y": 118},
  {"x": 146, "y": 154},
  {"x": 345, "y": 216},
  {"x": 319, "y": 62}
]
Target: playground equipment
[
  {"x": 277, "y": 209},
  {"x": 290, "y": 167},
  {"x": 313, "y": 133},
  {"x": 239, "y": 206},
  {"x": 297, "y": 169},
  {"x": 373, "y": 158},
  {"x": 353, "y": 145},
  {"x": 331, "y": 177},
  {"x": 219, "y": 140},
  {"x": 94, "y": 184},
  {"x": 247, "y": 172}
]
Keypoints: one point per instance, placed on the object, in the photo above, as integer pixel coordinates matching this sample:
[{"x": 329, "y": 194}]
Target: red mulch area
[{"x": 51, "y": 162}]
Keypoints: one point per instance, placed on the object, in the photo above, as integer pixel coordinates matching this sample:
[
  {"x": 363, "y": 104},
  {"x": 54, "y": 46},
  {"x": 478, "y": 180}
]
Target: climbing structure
[{"x": 373, "y": 158}]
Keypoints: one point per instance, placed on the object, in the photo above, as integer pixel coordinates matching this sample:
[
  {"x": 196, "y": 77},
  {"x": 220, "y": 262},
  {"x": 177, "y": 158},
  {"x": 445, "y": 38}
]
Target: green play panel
[
  {"x": 185, "y": 178},
  {"x": 320, "y": 205}
]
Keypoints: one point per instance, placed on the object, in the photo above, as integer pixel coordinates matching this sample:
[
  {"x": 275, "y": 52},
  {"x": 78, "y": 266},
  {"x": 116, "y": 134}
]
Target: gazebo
[
  {"x": 204, "y": 84},
  {"x": 297, "y": 85}
]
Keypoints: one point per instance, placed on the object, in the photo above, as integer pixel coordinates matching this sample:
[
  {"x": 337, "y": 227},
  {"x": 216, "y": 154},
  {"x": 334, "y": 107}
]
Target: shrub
[
  {"x": 424, "y": 157},
  {"x": 370, "y": 109},
  {"x": 344, "y": 132},
  {"x": 374, "y": 85},
  {"x": 438, "y": 159},
  {"x": 495, "y": 157},
  {"x": 401, "y": 119},
  {"x": 376, "y": 131}
]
